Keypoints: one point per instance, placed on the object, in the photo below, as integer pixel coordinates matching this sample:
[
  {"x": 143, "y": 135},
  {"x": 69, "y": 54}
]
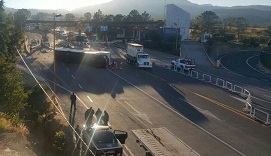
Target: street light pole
[
  {"x": 177, "y": 32},
  {"x": 55, "y": 15}
]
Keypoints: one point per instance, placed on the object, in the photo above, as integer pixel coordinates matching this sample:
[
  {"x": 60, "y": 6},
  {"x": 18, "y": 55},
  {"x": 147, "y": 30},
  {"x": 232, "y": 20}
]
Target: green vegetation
[
  {"x": 233, "y": 31},
  {"x": 13, "y": 96},
  {"x": 24, "y": 107},
  {"x": 59, "y": 141}
]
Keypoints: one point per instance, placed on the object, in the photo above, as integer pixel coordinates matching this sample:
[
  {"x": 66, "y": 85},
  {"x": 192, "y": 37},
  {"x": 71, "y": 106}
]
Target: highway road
[{"x": 206, "y": 118}]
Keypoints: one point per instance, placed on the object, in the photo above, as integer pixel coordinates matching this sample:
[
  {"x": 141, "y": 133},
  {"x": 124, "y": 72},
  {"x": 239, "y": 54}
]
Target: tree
[
  {"x": 13, "y": 96},
  {"x": 69, "y": 17},
  {"x": 20, "y": 16},
  {"x": 240, "y": 24},
  {"x": 98, "y": 16},
  {"x": 108, "y": 18},
  {"x": 145, "y": 16},
  {"x": 40, "y": 16},
  {"x": 228, "y": 23},
  {"x": 208, "y": 22},
  {"x": 118, "y": 18},
  {"x": 2, "y": 10},
  {"x": 87, "y": 16},
  {"x": 133, "y": 16}
]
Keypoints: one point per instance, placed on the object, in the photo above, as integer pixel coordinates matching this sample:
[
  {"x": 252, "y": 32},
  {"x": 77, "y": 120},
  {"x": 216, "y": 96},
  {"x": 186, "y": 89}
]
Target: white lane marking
[
  {"x": 174, "y": 111},
  {"x": 80, "y": 86},
  {"x": 255, "y": 68},
  {"x": 132, "y": 107},
  {"x": 124, "y": 153},
  {"x": 89, "y": 99},
  {"x": 240, "y": 99},
  {"x": 267, "y": 96},
  {"x": 260, "y": 99},
  {"x": 128, "y": 149},
  {"x": 67, "y": 69},
  {"x": 132, "y": 113},
  {"x": 73, "y": 77}
]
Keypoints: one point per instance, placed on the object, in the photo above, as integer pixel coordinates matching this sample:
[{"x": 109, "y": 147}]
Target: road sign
[
  {"x": 104, "y": 28},
  {"x": 89, "y": 28}
]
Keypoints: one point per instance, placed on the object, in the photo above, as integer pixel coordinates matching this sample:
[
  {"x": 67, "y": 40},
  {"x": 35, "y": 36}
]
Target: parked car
[{"x": 102, "y": 140}]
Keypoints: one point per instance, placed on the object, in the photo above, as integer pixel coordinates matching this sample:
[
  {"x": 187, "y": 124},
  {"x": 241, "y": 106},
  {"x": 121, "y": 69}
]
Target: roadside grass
[
  {"x": 43, "y": 123},
  {"x": 6, "y": 125}
]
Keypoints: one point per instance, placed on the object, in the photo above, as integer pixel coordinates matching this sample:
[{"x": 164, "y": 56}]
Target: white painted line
[
  {"x": 89, "y": 99},
  {"x": 267, "y": 96},
  {"x": 255, "y": 68},
  {"x": 73, "y": 77},
  {"x": 260, "y": 99},
  {"x": 132, "y": 107},
  {"x": 124, "y": 153},
  {"x": 174, "y": 111},
  {"x": 80, "y": 86},
  {"x": 67, "y": 69},
  {"x": 128, "y": 149}
]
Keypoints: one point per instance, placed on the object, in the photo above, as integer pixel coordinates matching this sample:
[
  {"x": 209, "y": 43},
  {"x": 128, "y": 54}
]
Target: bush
[
  {"x": 251, "y": 42},
  {"x": 10, "y": 123},
  {"x": 59, "y": 141}
]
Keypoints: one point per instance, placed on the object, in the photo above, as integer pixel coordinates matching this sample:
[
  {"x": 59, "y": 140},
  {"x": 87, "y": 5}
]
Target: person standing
[
  {"x": 98, "y": 115},
  {"x": 105, "y": 118},
  {"x": 89, "y": 116},
  {"x": 73, "y": 101}
]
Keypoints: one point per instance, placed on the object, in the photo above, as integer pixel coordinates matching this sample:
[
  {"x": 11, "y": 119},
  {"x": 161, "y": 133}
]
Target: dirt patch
[{"x": 15, "y": 144}]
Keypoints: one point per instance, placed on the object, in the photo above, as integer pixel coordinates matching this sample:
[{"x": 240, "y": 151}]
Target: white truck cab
[{"x": 136, "y": 56}]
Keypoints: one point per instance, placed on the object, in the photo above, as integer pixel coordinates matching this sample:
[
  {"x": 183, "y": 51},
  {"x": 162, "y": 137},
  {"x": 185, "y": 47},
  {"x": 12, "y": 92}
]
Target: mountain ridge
[{"x": 254, "y": 14}]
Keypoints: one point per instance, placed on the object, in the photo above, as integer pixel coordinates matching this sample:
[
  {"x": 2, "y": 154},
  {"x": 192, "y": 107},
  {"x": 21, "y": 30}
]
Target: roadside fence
[{"x": 252, "y": 110}]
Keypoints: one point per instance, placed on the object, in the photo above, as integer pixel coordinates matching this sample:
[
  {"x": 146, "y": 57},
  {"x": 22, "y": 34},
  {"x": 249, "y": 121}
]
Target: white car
[{"x": 183, "y": 64}]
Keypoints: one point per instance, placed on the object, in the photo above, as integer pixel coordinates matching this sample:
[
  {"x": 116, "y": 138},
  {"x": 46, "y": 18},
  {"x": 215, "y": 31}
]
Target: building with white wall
[{"x": 178, "y": 18}]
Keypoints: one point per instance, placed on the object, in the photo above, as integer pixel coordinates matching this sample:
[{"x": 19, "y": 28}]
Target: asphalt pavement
[{"x": 206, "y": 118}]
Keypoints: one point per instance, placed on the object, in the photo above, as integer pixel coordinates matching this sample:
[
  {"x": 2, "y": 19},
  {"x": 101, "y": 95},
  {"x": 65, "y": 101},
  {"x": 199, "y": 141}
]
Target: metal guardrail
[
  {"x": 262, "y": 112},
  {"x": 228, "y": 86},
  {"x": 255, "y": 113}
]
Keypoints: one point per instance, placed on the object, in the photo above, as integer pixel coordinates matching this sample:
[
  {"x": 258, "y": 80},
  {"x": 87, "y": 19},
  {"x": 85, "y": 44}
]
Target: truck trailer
[{"x": 136, "y": 56}]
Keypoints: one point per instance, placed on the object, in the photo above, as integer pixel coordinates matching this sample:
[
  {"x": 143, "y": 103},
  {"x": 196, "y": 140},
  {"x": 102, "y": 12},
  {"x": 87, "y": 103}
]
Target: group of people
[{"x": 102, "y": 117}]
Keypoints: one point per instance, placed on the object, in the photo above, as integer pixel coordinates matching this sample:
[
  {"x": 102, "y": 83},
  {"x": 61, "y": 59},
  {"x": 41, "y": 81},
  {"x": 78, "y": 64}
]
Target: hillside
[{"x": 255, "y": 14}]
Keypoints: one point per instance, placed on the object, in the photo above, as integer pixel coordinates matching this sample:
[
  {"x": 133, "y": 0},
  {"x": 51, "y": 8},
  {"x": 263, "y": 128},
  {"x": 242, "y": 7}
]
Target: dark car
[{"x": 103, "y": 141}]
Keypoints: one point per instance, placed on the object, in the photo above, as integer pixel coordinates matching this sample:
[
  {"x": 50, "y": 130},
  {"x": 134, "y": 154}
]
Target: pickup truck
[
  {"x": 183, "y": 64},
  {"x": 102, "y": 140}
]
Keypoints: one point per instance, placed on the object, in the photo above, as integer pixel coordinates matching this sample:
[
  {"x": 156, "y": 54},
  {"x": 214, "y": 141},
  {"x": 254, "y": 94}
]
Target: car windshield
[{"x": 143, "y": 56}]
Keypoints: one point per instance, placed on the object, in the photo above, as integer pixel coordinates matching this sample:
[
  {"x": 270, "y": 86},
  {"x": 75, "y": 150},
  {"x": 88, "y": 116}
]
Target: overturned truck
[{"x": 98, "y": 59}]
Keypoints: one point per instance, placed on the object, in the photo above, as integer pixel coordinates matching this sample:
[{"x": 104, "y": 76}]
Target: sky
[
  {"x": 232, "y": 2},
  {"x": 72, "y": 4},
  {"x": 51, "y": 4}
]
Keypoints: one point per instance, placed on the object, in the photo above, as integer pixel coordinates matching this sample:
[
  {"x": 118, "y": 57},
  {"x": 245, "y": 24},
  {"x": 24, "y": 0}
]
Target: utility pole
[{"x": 54, "y": 96}]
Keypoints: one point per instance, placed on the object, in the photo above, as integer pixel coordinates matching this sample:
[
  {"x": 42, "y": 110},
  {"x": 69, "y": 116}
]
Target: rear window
[{"x": 104, "y": 137}]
